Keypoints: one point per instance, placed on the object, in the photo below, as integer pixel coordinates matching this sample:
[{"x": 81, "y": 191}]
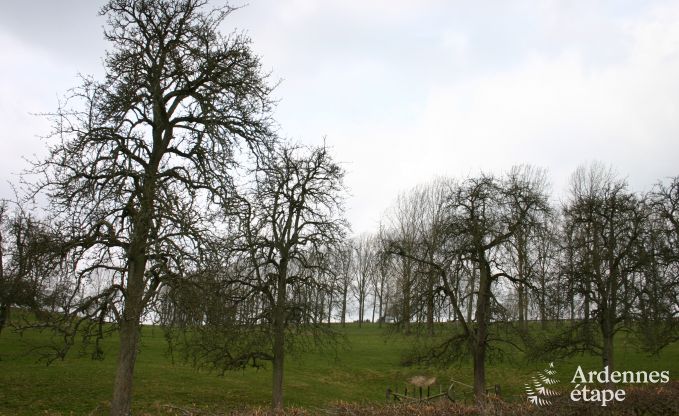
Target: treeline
[
  {"x": 493, "y": 251},
  {"x": 484, "y": 254}
]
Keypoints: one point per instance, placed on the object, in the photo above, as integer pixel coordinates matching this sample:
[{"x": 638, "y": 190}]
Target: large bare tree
[{"x": 142, "y": 156}]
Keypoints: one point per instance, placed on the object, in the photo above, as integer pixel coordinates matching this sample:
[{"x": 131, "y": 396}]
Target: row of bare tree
[{"x": 489, "y": 253}]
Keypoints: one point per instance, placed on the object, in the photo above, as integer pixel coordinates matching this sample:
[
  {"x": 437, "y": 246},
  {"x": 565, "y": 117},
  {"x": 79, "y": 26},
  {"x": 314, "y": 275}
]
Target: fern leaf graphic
[{"x": 536, "y": 391}]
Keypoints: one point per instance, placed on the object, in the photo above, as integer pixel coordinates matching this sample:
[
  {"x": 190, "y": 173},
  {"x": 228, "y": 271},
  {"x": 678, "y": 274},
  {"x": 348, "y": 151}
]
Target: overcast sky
[{"x": 407, "y": 90}]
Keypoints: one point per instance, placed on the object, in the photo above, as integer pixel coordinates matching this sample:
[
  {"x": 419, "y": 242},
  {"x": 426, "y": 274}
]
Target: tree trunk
[
  {"x": 479, "y": 371},
  {"x": 330, "y": 308},
  {"x": 430, "y": 302},
  {"x": 470, "y": 298},
  {"x": 344, "y": 306},
  {"x": 607, "y": 356},
  {"x": 321, "y": 308},
  {"x": 520, "y": 301},
  {"x": 374, "y": 307},
  {"x": 523, "y": 301},
  {"x": 482, "y": 318},
  {"x": 278, "y": 359},
  {"x": 543, "y": 301},
  {"x": 406, "y": 298},
  {"x": 361, "y": 306},
  {"x": 279, "y": 339},
  {"x": 127, "y": 356},
  {"x": 130, "y": 326},
  {"x": 381, "y": 299},
  {"x": 4, "y": 315}
]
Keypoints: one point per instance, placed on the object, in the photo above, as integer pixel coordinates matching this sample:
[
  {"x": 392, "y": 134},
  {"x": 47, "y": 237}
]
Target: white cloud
[
  {"x": 553, "y": 111},
  {"x": 28, "y": 79}
]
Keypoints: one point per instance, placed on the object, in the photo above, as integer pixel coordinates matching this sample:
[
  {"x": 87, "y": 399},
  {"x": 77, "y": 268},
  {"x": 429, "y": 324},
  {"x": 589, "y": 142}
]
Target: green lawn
[{"x": 359, "y": 373}]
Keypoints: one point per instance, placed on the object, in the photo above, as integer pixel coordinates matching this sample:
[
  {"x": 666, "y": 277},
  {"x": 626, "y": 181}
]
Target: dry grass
[{"x": 644, "y": 401}]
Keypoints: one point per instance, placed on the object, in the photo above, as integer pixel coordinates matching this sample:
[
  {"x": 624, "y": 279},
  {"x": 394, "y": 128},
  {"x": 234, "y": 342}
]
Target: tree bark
[
  {"x": 607, "y": 356},
  {"x": 130, "y": 326},
  {"x": 4, "y": 315},
  {"x": 127, "y": 356},
  {"x": 430, "y": 301},
  {"x": 279, "y": 338},
  {"x": 482, "y": 317},
  {"x": 406, "y": 297},
  {"x": 361, "y": 306},
  {"x": 330, "y": 307},
  {"x": 480, "y": 371},
  {"x": 278, "y": 360},
  {"x": 130, "y": 331},
  {"x": 344, "y": 306},
  {"x": 470, "y": 298}
]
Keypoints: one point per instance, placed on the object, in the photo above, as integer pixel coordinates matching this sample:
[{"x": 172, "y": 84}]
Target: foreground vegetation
[{"x": 358, "y": 373}]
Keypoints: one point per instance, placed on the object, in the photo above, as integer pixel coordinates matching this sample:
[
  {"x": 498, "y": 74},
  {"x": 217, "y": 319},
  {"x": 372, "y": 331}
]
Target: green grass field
[{"x": 359, "y": 373}]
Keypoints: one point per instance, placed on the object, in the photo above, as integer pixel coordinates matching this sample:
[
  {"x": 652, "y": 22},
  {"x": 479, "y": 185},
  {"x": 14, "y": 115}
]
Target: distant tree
[
  {"x": 431, "y": 237},
  {"x": 343, "y": 265},
  {"x": 29, "y": 259},
  {"x": 402, "y": 221},
  {"x": 143, "y": 158},
  {"x": 548, "y": 289},
  {"x": 289, "y": 219},
  {"x": 659, "y": 291},
  {"x": 526, "y": 247},
  {"x": 365, "y": 262},
  {"x": 605, "y": 223},
  {"x": 382, "y": 279}
]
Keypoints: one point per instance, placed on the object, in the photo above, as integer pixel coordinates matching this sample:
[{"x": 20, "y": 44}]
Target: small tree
[{"x": 143, "y": 157}]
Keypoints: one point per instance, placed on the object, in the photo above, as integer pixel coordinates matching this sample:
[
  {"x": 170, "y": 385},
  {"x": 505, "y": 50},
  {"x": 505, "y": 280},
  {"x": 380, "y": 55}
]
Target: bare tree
[
  {"x": 479, "y": 218},
  {"x": 431, "y": 236},
  {"x": 294, "y": 218},
  {"x": 402, "y": 221},
  {"x": 365, "y": 261},
  {"x": 383, "y": 276},
  {"x": 143, "y": 156},
  {"x": 523, "y": 249},
  {"x": 659, "y": 291},
  {"x": 343, "y": 264},
  {"x": 606, "y": 222},
  {"x": 289, "y": 221}
]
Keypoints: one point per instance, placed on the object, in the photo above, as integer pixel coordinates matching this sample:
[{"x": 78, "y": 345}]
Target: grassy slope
[{"x": 360, "y": 373}]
